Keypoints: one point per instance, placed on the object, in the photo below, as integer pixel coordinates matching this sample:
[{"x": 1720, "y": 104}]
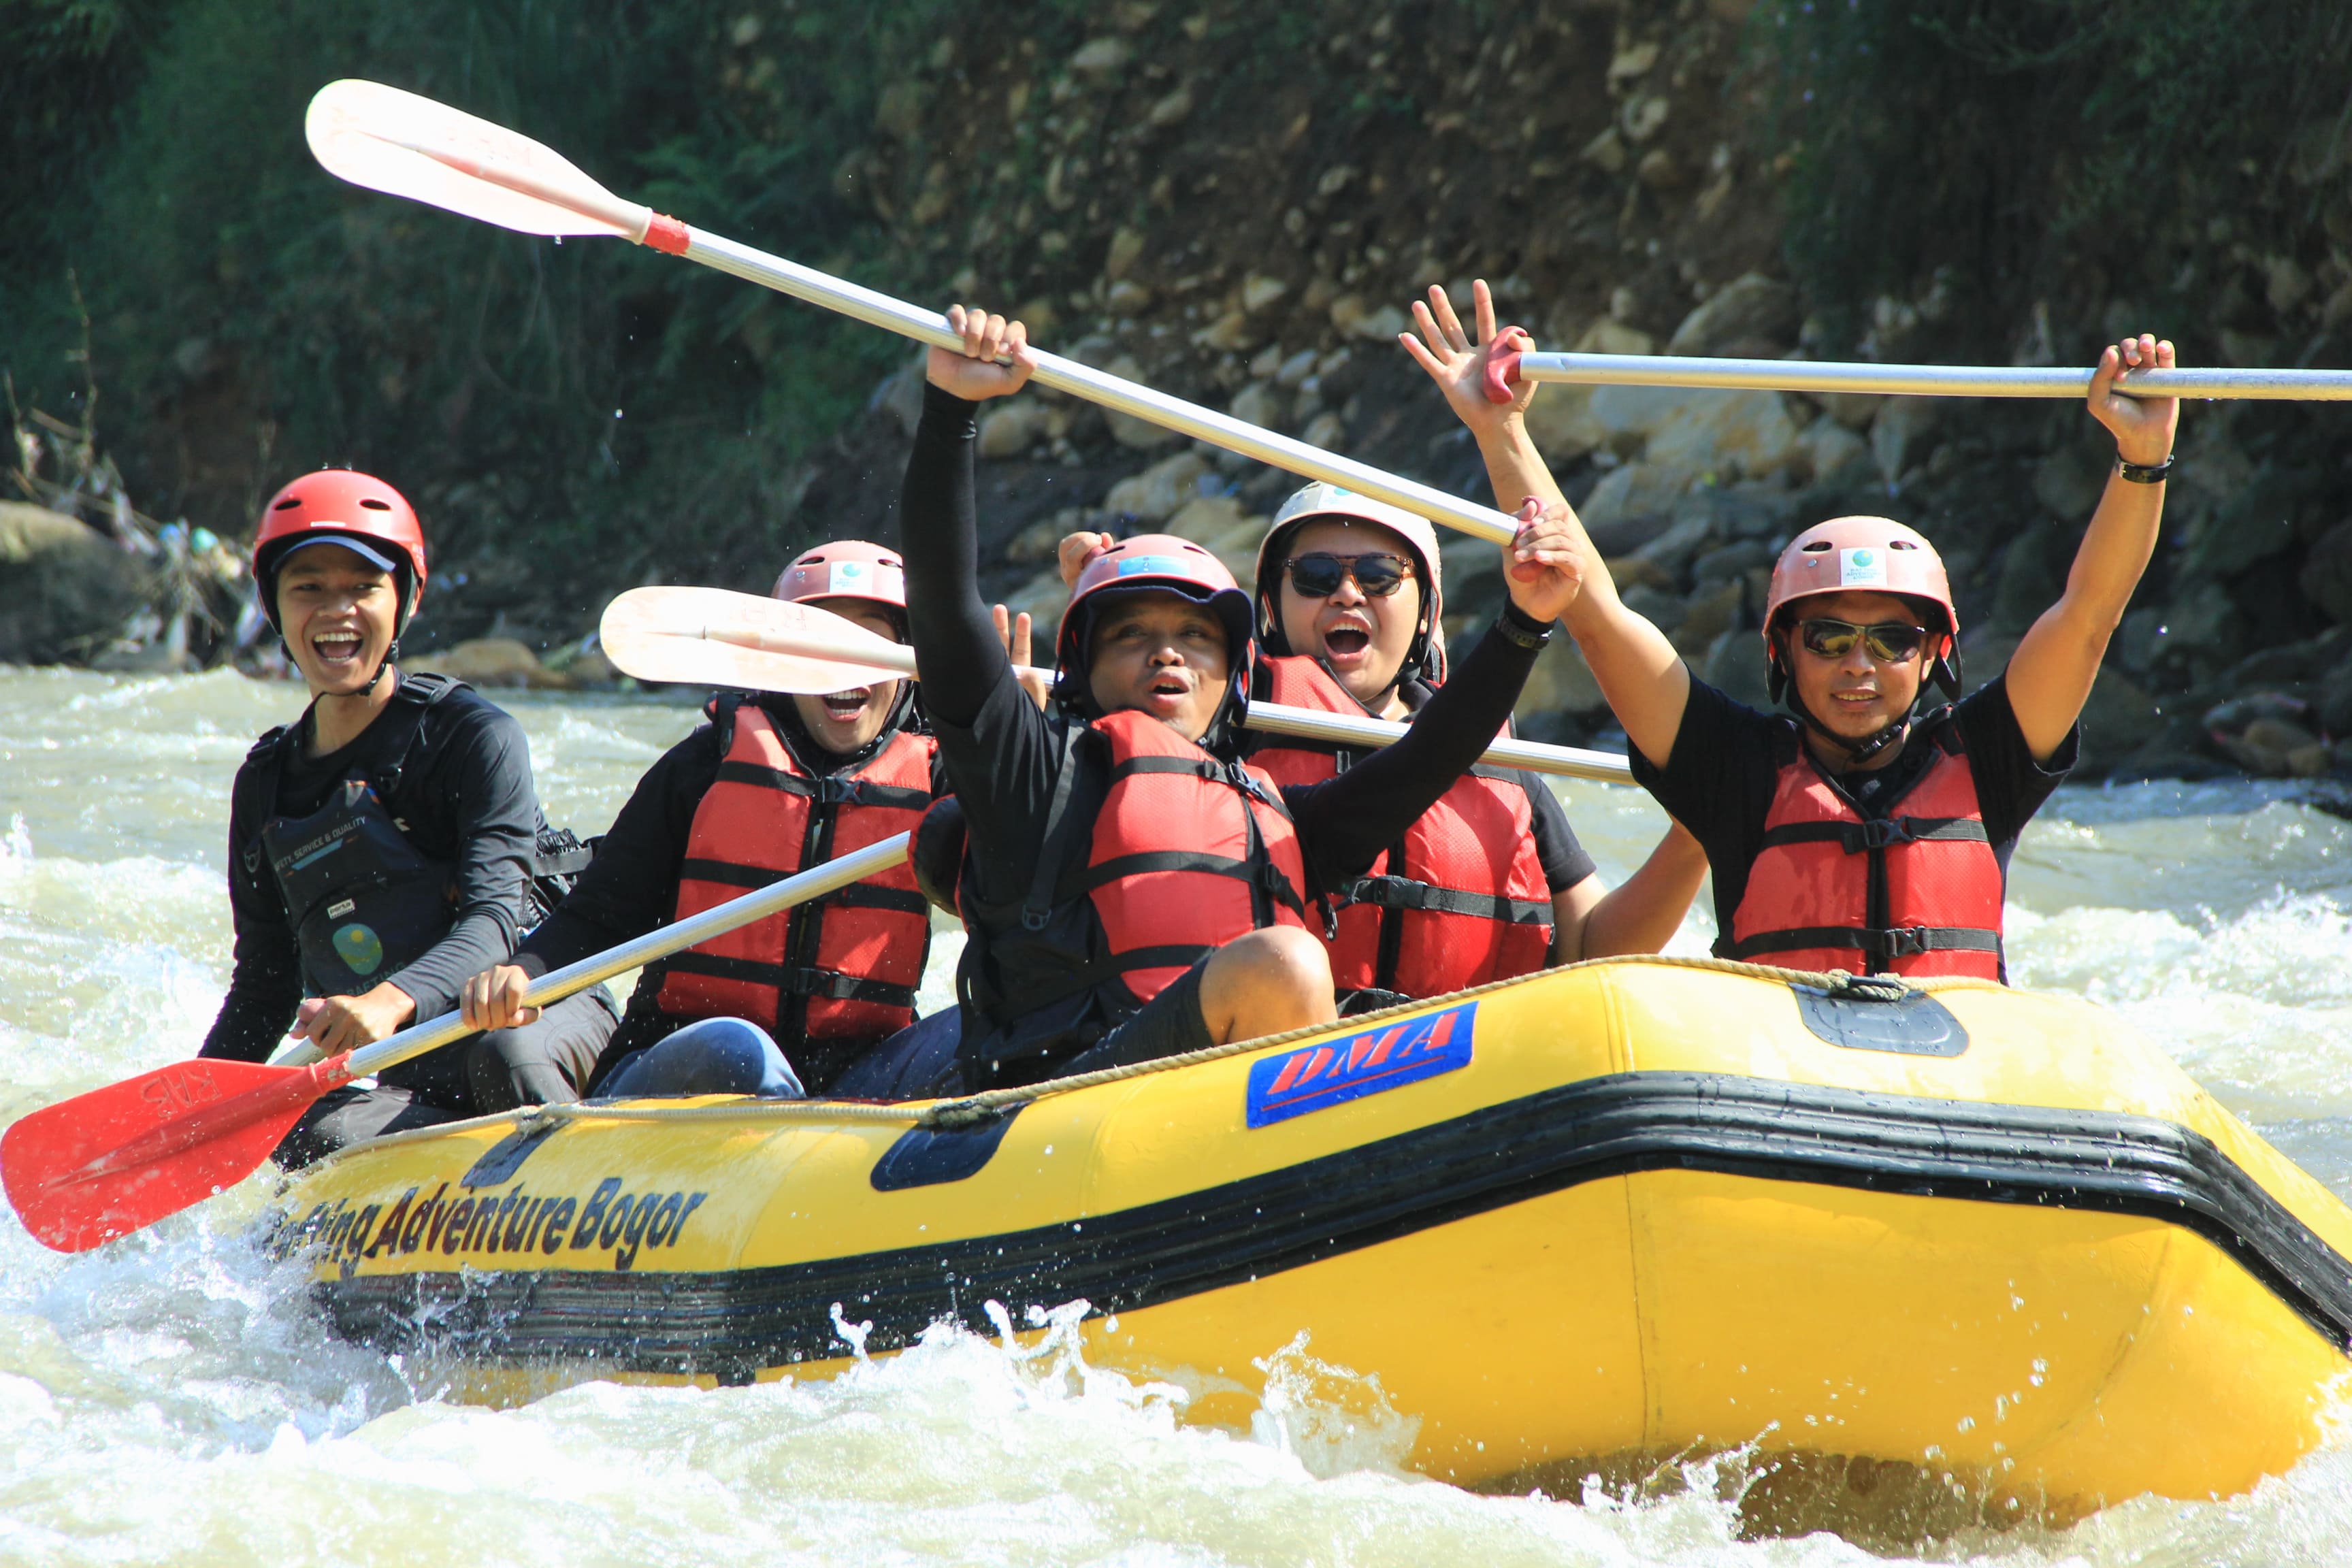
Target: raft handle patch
[
  {"x": 502, "y": 1159},
  {"x": 1371, "y": 1061}
]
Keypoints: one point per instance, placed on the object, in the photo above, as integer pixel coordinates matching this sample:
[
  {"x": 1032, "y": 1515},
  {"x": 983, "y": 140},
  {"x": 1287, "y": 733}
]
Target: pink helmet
[
  {"x": 1873, "y": 554},
  {"x": 845, "y": 569},
  {"x": 1320, "y": 500},
  {"x": 1865, "y": 554},
  {"x": 1163, "y": 562}
]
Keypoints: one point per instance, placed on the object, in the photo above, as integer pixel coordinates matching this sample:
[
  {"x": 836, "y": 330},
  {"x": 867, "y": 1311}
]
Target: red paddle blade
[{"x": 102, "y": 1165}]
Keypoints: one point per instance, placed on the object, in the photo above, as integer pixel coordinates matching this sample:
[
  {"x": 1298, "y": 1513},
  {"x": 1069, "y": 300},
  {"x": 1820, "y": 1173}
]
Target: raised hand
[
  {"x": 1076, "y": 550},
  {"x": 973, "y": 374},
  {"x": 1458, "y": 364},
  {"x": 1013, "y": 631},
  {"x": 2143, "y": 427},
  {"x": 1545, "y": 564}
]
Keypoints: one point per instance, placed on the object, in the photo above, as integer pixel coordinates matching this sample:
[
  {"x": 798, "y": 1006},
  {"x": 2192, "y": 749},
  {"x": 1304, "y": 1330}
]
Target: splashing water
[{"x": 173, "y": 1398}]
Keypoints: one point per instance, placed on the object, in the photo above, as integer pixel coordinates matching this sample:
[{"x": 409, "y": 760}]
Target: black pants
[{"x": 543, "y": 1063}]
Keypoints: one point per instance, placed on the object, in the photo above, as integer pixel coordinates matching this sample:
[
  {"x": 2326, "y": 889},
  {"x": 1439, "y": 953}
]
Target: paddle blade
[
  {"x": 405, "y": 145},
  {"x": 711, "y": 636},
  {"x": 102, "y": 1165}
]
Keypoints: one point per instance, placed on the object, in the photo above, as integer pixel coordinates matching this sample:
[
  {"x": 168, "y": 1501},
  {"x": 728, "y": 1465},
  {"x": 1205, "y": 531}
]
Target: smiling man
[
  {"x": 1132, "y": 888},
  {"x": 383, "y": 846},
  {"x": 1866, "y": 829},
  {"x": 771, "y": 785}
]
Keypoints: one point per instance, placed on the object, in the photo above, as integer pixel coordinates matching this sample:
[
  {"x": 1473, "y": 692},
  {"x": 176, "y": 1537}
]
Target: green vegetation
[
  {"x": 2168, "y": 156},
  {"x": 252, "y": 317}
]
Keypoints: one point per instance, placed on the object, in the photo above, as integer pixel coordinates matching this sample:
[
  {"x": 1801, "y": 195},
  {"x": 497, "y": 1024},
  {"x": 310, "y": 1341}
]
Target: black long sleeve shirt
[
  {"x": 1001, "y": 753},
  {"x": 465, "y": 796}
]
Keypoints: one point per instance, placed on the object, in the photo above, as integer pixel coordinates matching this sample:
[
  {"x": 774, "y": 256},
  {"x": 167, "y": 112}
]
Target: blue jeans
[{"x": 716, "y": 1056}]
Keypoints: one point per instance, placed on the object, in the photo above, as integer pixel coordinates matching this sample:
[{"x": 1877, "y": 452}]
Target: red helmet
[
  {"x": 845, "y": 569},
  {"x": 357, "y": 510},
  {"x": 1155, "y": 561},
  {"x": 1320, "y": 500}
]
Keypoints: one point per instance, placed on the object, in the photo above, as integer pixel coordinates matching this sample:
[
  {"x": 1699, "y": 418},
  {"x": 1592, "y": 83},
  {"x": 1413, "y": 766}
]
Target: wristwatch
[{"x": 2143, "y": 474}]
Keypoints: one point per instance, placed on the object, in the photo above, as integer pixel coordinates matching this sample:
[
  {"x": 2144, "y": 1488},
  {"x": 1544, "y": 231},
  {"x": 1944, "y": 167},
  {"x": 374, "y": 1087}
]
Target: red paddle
[{"x": 113, "y": 1161}]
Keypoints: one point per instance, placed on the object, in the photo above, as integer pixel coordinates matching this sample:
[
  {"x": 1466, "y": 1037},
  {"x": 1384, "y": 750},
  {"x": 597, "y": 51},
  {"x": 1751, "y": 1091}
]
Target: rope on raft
[{"x": 977, "y": 1110}]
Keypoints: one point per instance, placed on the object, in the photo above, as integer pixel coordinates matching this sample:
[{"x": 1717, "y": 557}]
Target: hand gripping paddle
[
  {"x": 108, "y": 1163},
  {"x": 711, "y": 636},
  {"x": 395, "y": 142}
]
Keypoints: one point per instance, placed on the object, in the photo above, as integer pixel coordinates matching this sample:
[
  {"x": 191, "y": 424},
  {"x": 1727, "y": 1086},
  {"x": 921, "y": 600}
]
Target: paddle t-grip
[{"x": 1503, "y": 368}]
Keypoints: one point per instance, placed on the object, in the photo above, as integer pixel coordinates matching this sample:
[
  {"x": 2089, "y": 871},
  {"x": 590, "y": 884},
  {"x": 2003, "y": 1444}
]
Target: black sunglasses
[
  {"x": 1890, "y": 642},
  {"x": 1319, "y": 575}
]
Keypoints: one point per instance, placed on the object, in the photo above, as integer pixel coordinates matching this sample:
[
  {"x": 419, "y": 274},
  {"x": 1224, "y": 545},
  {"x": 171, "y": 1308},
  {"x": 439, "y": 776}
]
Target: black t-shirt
[
  {"x": 1720, "y": 778},
  {"x": 463, "y": 795}
]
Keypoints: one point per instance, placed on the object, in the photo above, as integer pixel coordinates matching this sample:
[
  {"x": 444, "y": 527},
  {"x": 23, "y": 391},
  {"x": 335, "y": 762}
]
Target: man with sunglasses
[
  {"x": 1856, "y": 832},
  {"x": 1488, "y": 883}
]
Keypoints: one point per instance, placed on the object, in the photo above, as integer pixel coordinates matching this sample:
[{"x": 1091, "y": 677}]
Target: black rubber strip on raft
[{"x": 726, "y": 1322}]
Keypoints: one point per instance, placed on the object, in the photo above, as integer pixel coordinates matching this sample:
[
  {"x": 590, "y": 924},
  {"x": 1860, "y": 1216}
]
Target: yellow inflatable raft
[{"x": 1626, "y": 1208}]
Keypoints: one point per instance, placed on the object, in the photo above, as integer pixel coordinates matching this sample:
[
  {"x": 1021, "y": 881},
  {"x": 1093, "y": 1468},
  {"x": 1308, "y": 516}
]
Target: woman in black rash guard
[{"x": 1094, "y": 943}]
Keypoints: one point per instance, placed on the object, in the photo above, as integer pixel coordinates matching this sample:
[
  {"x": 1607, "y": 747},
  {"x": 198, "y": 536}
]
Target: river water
[{"x": 172, "y": 1397}]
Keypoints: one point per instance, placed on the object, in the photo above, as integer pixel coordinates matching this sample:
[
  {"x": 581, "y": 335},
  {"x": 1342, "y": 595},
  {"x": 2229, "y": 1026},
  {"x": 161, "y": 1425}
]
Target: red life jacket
[
  {"x": 844, "y": 966},
  {"x": 1187, "y": 853},
  {"x": 1912, "y": 894},
  {"x": 1462, "y": 901}
]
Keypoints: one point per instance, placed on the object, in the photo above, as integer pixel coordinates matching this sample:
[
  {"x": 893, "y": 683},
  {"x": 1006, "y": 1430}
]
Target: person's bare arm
[
  {"x": 1639, "y": 673},
  {"x": 2051, "y": 673},
  {"x": 1593, "y": 920}
]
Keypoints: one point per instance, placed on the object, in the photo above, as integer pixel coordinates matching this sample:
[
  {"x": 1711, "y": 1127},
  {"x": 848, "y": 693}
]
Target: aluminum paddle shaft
[
  {"x": 558, "y": 983},
  {"x": 768, "y": 645},
  {"x": 396, "y": 141},
  {"x": 1924, "y": 380}
]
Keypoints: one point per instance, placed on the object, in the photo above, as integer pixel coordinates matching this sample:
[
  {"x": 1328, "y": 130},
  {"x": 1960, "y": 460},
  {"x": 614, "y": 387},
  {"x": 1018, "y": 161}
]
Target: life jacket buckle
[
  {"x": 1876, "y": 833},
  {"x": 1905, "y": 942},
  {"x": 830, "y": 789}
]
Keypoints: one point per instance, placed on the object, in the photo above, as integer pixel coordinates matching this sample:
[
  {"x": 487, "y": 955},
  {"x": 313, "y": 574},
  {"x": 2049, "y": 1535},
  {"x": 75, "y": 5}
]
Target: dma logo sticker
[{"x": 1315, "y": 1077}]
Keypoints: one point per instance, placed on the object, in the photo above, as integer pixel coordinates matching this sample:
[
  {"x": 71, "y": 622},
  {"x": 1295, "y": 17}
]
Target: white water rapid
[{"x": 173, "y": 1398}]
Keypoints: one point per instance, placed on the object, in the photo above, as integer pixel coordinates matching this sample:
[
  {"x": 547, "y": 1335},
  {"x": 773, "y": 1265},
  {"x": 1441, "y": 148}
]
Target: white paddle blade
[
  {"x": 709, "y": 637},
  {"x": 405, "y": 145}
]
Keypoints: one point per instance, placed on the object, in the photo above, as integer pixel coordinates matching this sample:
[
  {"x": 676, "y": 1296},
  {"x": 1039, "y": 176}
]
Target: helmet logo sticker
[
  {"x": 1135, "y": 564},
  {"x": 1861, "y": 568},
  {"x": 360, "y": 948},
  {"x": 849, "y": 571}
]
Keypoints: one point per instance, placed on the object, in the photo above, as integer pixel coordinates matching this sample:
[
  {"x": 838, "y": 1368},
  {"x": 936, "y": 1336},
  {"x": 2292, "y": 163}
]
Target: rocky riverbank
[{"x": 1238, "y": 208}]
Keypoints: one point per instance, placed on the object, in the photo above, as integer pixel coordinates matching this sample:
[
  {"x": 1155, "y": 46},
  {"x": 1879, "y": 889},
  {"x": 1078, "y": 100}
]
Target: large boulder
[
  {"x": 1161, "y": 490},
  {"x": 64, "y": 589},
  {"x": 1751, "y": 317},
  {"x": 491, "y": 661},
  {"x": 1690, "y": 435},
  {"x": 2327, "y": 574}
]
